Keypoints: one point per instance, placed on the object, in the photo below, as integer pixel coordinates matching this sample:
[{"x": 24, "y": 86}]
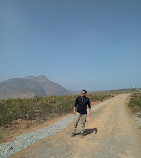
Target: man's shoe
[{"x": 73, "y": 134}]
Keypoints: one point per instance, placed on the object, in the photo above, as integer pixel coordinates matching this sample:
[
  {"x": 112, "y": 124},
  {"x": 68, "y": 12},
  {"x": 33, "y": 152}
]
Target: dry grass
[
  {"x": 43, "y": 110},
  {"x": 135, "y": 103}
]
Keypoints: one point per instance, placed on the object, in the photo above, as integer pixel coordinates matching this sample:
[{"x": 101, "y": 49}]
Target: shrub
[
  {"x": 12, "y": 109},
  {"x": 135, "y": 103}
]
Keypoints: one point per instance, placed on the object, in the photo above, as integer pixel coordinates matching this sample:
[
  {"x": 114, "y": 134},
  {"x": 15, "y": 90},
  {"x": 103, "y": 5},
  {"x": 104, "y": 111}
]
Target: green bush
[
  {"x": 12, "y": 109},
  {"x": 135, "y": 103}
]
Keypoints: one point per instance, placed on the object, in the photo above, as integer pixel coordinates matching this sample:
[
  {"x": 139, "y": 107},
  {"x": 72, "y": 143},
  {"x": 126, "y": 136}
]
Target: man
[{"x": 81, "y": 103}]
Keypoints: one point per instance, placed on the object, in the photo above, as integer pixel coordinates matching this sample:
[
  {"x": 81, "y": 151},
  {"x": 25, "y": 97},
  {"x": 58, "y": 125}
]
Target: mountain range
[{"x": 31, "y": 86}]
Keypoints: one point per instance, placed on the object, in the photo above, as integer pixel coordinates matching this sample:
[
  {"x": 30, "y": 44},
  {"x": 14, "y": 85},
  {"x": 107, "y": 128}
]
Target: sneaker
[
  {"x": 73, "y": 134},
  {"x": 94, "y": 132}
]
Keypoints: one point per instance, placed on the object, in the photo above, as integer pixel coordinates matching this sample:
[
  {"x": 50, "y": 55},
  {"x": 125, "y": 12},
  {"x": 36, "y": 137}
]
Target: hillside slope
[{"x": 29, "y": 87}]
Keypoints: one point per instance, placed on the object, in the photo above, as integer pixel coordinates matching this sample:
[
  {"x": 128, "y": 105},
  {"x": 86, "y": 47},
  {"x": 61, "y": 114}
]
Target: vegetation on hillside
[
  {"x": 40, "y": 107},
  {"x": 119, "y": 91}
]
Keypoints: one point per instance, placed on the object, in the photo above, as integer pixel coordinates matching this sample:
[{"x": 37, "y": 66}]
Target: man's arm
[
  {"x": 89, "y": 107},
  {"x": 90, "y": 112},
  {"x": 74, "y": 110},
  {"x": 75, "y": 105}
]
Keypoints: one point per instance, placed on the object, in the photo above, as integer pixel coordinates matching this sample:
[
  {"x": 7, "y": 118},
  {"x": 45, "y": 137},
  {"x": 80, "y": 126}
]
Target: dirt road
[{"x": 117, "y": 136}]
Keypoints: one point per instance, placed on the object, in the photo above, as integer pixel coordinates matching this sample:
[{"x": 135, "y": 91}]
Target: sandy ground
[{"x": 117, "y": 136}]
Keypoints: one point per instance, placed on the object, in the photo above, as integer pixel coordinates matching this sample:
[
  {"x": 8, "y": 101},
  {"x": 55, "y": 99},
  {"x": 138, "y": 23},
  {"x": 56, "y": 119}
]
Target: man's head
[{"x": 84, "y": 92}]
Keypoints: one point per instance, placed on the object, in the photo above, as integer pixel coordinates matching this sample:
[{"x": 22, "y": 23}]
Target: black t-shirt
[{"x": 82, "y": 103}]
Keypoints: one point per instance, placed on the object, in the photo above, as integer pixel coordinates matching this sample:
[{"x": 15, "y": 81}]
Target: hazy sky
[{"x": 91, "y": 44}]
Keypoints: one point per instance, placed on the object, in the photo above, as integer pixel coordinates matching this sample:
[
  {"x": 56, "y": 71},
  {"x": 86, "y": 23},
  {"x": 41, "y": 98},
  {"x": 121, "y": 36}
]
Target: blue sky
[{"x": 93, "y": 44}]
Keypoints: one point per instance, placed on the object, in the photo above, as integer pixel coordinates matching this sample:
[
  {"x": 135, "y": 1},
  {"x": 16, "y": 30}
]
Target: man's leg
[
  {"x": 83, "y": 120},
  {"x": 77, "y": 118}
]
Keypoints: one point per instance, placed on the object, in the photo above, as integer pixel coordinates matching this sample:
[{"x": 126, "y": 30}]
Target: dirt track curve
[{"x": 117, "y": 136}]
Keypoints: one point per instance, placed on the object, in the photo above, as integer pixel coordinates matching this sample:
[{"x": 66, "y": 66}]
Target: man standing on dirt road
[{"x": 81, "y": 103}]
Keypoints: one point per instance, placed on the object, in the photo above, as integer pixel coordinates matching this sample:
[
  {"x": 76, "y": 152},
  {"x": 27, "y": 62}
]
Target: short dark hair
[{"x": 84, "y": 90}]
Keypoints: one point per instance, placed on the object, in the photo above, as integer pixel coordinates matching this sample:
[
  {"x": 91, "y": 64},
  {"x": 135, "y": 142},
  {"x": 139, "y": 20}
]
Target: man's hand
[
  {"x": 74, "y": 110},
  {"x": 90, "y": 112}
]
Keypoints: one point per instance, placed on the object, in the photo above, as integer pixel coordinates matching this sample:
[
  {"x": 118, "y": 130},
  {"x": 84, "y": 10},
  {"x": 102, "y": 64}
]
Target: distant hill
[
  {"x": 128, "y": 90},
  {"x": 29, "y": 87}
]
